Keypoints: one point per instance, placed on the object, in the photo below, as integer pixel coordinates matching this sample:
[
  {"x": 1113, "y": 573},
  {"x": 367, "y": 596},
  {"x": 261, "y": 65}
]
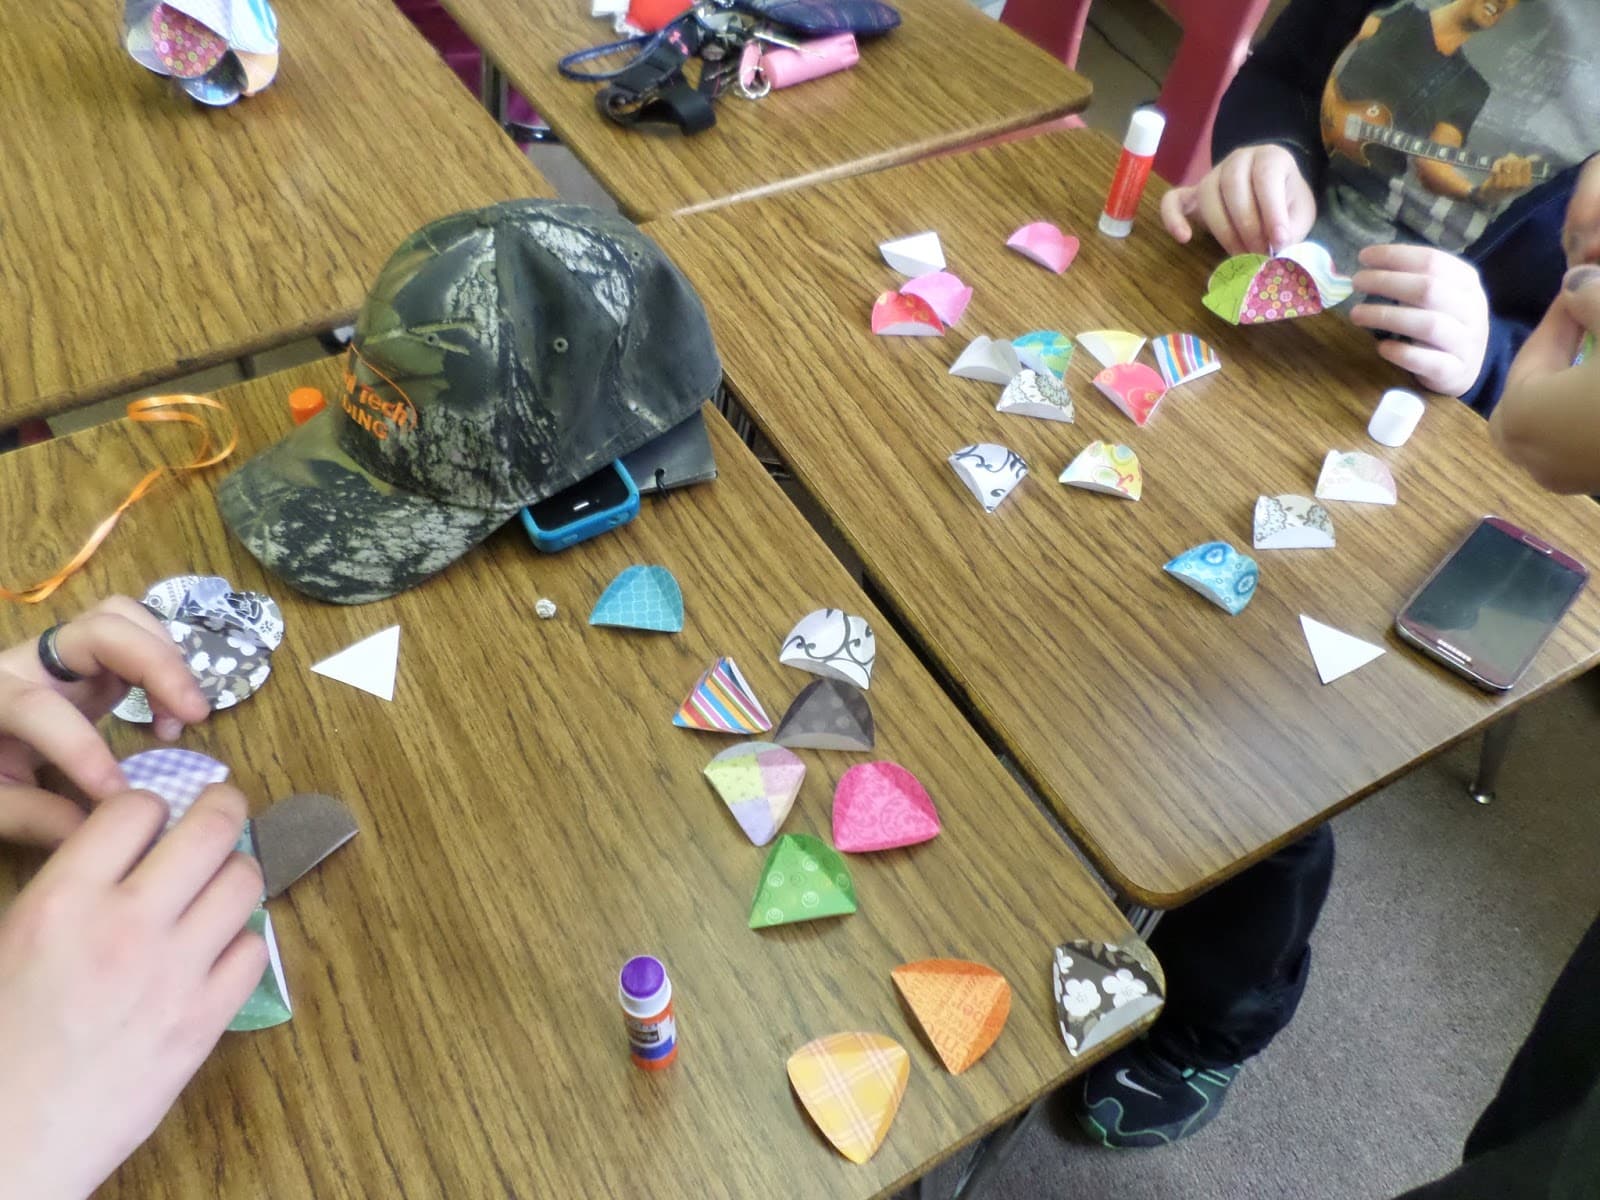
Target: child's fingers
[{"x": 1176, "y": 207}]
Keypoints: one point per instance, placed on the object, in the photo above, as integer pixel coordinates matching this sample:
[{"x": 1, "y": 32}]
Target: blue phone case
[{"x": 594, "y": 524}]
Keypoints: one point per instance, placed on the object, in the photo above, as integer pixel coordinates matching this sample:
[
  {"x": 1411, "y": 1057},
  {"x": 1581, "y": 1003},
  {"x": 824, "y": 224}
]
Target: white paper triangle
[
  {"x": 1335, "y": 652},
  {"x": 919, "y": 254},
  {"x": 369, "y": 664}
]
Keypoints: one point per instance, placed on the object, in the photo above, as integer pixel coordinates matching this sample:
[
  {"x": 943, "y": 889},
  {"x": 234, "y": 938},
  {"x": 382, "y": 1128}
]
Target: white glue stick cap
[
  {"x": 1396, "y": 417},
  {"x": 1144, "y": 132}
]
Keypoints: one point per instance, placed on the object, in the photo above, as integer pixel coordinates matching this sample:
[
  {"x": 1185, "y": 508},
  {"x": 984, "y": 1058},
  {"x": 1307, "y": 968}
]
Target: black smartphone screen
[
  {"x": 599, "y": 492},
  {"x": 1496, "y": 600}
]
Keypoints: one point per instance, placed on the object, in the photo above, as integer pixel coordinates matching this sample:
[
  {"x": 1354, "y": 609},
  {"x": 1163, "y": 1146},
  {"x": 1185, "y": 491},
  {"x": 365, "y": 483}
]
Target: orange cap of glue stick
[{"x": 305, "y": 403}]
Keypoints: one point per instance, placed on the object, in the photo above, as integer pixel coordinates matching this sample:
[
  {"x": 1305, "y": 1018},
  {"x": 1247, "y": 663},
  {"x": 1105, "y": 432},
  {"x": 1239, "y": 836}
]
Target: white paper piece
[
  {"x": 919, "y": 254},
  {"x": 988, "y": 359},
  {"x": 370, "y": 664},
  {"x": 989, "y": 471},
  {"x": 1032, "y": 394},
  {"x": 1291, "y": 523},
  {"x": 1356, "y": 478},
  {"x": 833, "y": 644},
  {"x": 1335, "y": 652},
  {"x": 1111, "y": 346}
]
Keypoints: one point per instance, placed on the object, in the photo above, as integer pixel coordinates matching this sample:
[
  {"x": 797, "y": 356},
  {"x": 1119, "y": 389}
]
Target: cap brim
[{"x": 325, "y": 526}]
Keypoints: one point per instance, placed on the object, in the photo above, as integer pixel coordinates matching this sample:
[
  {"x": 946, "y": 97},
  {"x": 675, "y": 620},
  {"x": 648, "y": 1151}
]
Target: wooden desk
[
  {"x": 948, "y": 76},
  {"x": 142, "y": 235},
  {"x": 529, "y": 818},
  {"x": 1177, "y": 743}
]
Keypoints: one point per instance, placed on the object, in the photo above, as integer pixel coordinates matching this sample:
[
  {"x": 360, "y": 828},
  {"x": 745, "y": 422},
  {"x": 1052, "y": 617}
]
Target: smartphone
[
  {"x": 1486, "y": 610},
  {"x": 588, "y": 508}
]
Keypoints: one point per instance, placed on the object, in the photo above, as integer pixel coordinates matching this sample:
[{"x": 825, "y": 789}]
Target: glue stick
[
  {"x": 646, "y": 996},
  {"x": 1133, "y": 169}
]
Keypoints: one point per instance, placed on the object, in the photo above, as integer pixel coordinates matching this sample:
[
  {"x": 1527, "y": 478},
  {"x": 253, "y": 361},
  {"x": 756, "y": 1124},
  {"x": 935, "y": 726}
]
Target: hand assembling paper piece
[
  {"x": 1046, "y": 245},
  {"x": 919, "y": 254},
  {"x": 643, "y": 597},
  {"x": 1102, "y": 467},
  {"x": 851, "y": 1084},
  {"x": 1041, "y": 396},
  {"x": 722, "y": 702},
  {"x": 1102, "y": 988},
  {"x": 881, "y": 806},
  {"x": 177, "y": 776},
  {"x": 827, "y": 715},
  {"x": 895, "y": 314},
  {"x": 833, "y": 644},
  {"x": 1134, "y": 388},
  {"x": 1219, "y": 573},
  {"x": 1111, "y": 347},
  {"x": 945, "y": 294},
  {"x": 1291, "y": 523},
  {"x": 758, "y": 782},
  {"x": 1183, "y": 358},
  {"x": 1044, "y": 350},
  {"x": 989, "y": 471},
  {"x": 804, "y": 880},
  {"x": 1357, "y": 478},
  {"x": 1299, "y": 281},
  {"x": 987, "y": 359},
  {"x": 961, "y": 1006},
  {"x": 215, "y": 50},
  {"x": 269, "y": 1004}
]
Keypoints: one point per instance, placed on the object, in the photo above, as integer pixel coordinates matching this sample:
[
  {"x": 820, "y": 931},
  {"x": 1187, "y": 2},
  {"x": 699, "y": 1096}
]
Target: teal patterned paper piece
[
  {"x": 269, "y": 1003},
  {"x": 1044, "y": 350},
  {"x": 642, "y": 597},
  {"x": 1219, "y": 573}
]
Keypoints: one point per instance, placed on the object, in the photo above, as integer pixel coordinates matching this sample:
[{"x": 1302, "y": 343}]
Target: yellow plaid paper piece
[{"x": 851, "y": 1084}]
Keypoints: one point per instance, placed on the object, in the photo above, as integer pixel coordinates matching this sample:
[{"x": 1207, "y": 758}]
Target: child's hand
[
  {"x": 1439, "y": 304},
  {"x": 1253, "y": 201}
]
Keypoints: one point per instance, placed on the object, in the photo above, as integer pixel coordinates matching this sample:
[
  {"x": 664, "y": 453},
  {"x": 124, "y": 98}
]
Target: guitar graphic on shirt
[{"x": 1351, "y": 126}]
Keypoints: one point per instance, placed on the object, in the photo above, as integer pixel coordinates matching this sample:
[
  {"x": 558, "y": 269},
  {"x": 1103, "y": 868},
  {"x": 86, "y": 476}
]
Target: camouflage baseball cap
[{"x": 503, "y": 355}]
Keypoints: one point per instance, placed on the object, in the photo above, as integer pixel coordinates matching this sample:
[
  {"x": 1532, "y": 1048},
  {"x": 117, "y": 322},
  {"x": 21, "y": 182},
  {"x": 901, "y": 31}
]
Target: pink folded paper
[
  {"x": 1046, "y": 245},
  {"x": 1134, "y": 388},
  {"x": 881, "y": 806},
  {"x": 945, "y": 294},
  {"x": 896, "y": 314}
]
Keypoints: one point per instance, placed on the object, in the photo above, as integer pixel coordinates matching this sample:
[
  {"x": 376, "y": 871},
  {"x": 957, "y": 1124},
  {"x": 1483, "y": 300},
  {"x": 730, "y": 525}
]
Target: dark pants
[
  {"x": 1236, "y": 959},
  {"x": 1540, "y": 1136}
]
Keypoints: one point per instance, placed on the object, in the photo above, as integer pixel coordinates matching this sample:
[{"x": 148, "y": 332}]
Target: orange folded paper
[
  {"x": 851, "y": 1084},
  {"x": 961, "y": 1006}
]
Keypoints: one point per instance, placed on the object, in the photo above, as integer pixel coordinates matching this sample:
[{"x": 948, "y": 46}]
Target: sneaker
[{"x": 1136, "y": 1098}]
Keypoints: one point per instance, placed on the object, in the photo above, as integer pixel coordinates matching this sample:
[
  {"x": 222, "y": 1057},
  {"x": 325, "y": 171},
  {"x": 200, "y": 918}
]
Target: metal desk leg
[
  {"x": 492, "y": 89},
  {"x": 1496, "y": 741},
  {"x": 992, "y": 1153}
]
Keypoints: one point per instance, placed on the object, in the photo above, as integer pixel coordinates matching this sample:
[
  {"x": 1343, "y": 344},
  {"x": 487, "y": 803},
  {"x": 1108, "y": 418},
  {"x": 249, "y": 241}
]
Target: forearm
[{"x": 1551, "y": 428}]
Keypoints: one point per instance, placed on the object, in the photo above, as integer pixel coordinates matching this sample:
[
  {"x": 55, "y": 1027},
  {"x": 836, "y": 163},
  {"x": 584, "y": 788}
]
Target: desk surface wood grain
[
  {"x": 530, "y": 817},
  {"x": 1179, "y": 744},
  {"x": 948, "y": 76},
  {"x": 143, "y": 235}
]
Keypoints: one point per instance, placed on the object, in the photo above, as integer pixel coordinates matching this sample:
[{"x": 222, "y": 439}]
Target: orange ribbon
[{"x": 151, "y": 408}]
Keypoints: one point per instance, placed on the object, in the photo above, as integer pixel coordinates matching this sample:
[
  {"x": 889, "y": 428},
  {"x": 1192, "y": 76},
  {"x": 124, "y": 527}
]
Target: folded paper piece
[
  {"x": 1044, "y": 350},
  {"x": 229, "y": 667},
  {"x": 1335, "y": 652},
  {"x": 1299, "y": 281},
  {"x": 1103, "y": 467},
  {"x": 268, "y": 1005},
  {"x": 987, "y": 359},
  {"x": 296, "y": 834},
  {"x": 1111, "y": 347},
  {"x": 1356, "y": 477},
  {"x": 945, "y": 294},
  {"x": 919, "y": 254},
  {"x": 1032, "y": 394},
  {"x": 961, "y": 1006},
  {"x": 881, "y": 806},
  {"x": 1183, "y": 358},
  {"x": 1219, "y": 573},
  {"x": 176, "y": 776},
  {"x": 1585, "y": 349},
  {"x": 758, "y": 782},
  {"x": 1101, "y": 989},
  {"x": 989, "y": 471},
  {"x": 722, "y": 702},
  {"x": 833, "y": 644},
  {"x": 1134, "y": 388},
  {"x": 1291, "y": 523},
  {"x": 1046, "y": 245},
  {"x": 804, "y": 880},
  {"x": 827, "y": 715},
  {"x": 370, "y": 664},
  {"x": 643, "y": 597},
  {"x": 852, "y": 1085},
  {"x": 210, "y": 602},
  {"x": 215, "y": 50},
  {"x": 895, "y": 314}
]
